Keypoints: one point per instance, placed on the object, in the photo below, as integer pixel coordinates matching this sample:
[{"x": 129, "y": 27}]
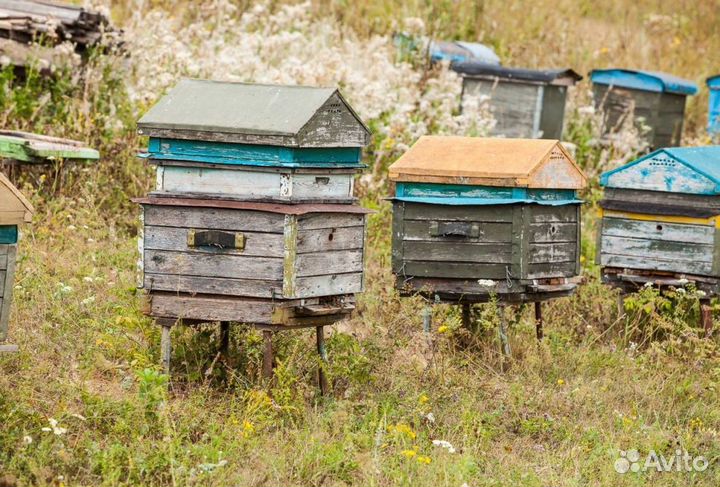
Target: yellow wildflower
[
  {"x": 408, "y": 453},
  {"x": 424, "y": 459},
  {"x": 443, "y": 328},
  {"x": 560, "y": 382},
  {"x": 423, "y": 399}
]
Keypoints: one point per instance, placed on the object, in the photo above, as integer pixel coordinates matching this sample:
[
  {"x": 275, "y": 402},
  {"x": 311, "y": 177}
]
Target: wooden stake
[
  {"x": 267, "y": 370},
  {"x": 165, "y": 348},
  {"x": 224, "y": 338},
  {"x": 322, "y": 380},
  {"x": 466, "y": 315},
  {"x": 706, "y": 317},
  {"x": 538, "y": 320},
  {"x": 502, "y": 334},
  {"x": 8, "y": 348},
  {"x": 621, "y": 305},
  {"x": 427, "y": 319}
]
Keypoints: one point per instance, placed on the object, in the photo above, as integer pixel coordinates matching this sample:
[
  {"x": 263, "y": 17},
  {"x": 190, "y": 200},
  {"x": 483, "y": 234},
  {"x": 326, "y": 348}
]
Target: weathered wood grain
[
  {"x": 419, "y": 211},
  {"x": 7, "y": 283},
  {"x": 553, "y": 252},
  {"x": 314, "y": 221},
  {"x": 656, "y": 264},
  {"x": 213, "y": 265},
  {"x": 458, "y": 252},
  {"x": 670, "y": 232},
  {"x": 552, "y": 214},
  {"x": 658, "y": 249},
  {"x": 461, "y": 270},
  {"x": 513, "y": 105},
  {"x": 329, "y": 285},
  {"x": 173, "y": 238},
  {"x": 550, "y": 270},
  {"x": 329, "y": 262},
  {"x": 257, "y": 288},
  {"x": 553, "y": 232},
  {"x": 553, "y": 112},
  {"x": 214, "y": 218},
  {"x": 488, "y": 232},
  {"x": 329, "y": 239}
]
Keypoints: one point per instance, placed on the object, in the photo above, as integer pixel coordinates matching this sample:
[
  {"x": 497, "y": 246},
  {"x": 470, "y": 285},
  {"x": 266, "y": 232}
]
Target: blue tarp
[{"x": 644, "y": 80}]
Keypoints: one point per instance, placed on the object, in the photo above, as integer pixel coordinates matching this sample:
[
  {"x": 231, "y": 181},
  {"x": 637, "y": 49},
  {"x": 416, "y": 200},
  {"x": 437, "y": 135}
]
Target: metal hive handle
[
  {"x": 454, "y": 229},
  {"x": 216, "y": 238}
]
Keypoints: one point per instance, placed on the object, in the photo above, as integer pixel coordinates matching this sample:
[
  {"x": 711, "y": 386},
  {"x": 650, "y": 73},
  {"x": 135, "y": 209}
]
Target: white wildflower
[
  {"x": 486, "y": 282},
  {"x": 683, "y": 281},
  {"x": 430, "y": 417},
  {"x": 701, "y": 294},
  {"x": 648, "y": 284},
  {"x": 27, "y": 439},
  {"x": 681, "y": 291},
  {"x": 444, "y": 444},
  {"x": 56, "y": 430},
  {"x": 64, "y": 288},
  {"x": 87, "y": 301}
]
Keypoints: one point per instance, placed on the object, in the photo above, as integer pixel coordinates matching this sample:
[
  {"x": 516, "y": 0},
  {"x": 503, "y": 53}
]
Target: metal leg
[
  {"x": 224, "y": 338},
  {"x": 502, "y": 334},
  {"x": 706, "y": 316},
  {"x": 165, "y": 348},
  {"x": 267, "y": 369},
  {"x": 466, "y": 309},
  {"x": 322, "y": 380},
  {"x": 538, "y": 320},
  {"x": 621, "y": 304}
]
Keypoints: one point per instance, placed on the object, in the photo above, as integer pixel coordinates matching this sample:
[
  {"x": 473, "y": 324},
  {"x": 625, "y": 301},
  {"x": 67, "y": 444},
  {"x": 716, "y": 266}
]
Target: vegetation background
[{"x": 84, "y": 403}]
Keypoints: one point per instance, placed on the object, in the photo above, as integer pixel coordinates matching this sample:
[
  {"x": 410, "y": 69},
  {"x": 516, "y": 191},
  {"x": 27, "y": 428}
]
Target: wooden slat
[
  {"x": 670, "y": 232},
  {"x": 458, "y": 252},
  {"x": 214, "y": 218},
  {"x": 656, "y": 264},
  {"x": 455, "y": 270},
  {"x": 658, "y": 249},
  {"x": 540, "y": 253},
  {"x": 7, "y": 284},
  {"x": 418, "y": 211},
  {"x": 210, "y": 285},
  {"x": 325, "y": 263},
  {"x": 553, "y": 232},
  {"x": 552, "y": 214},
  {"x": 329, "y": 220},
  {"x": 328, "y": 285},
  {"x": 213, "y": 265},
  {"x": 489, "y": 232},
  {"x": 327, "y": 239},
  {"x": 550, "y": 270},
  {"x": 173, "y": 238}
]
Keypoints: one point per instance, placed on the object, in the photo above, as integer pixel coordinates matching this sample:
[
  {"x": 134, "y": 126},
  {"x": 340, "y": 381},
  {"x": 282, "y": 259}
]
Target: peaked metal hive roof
[
  {"x": 225, "y": 107},
  {"x": 644, "y": 80},
  {"x": 478, "y": 160}
]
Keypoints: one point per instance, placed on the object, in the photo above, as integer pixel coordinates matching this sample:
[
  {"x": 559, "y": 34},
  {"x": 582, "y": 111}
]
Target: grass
[{"x": 558, "y": 415}]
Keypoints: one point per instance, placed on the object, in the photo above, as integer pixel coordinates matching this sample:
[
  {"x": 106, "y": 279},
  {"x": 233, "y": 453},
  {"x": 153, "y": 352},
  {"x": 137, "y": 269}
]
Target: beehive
[
  {"x": 14, "y": 210},
  {"x": 473, "y": 217},
  {"x": 713, "y": 84},
  {"x": 253, "y": 217},
  {"x": 660, "y": 217},
  {"x": 655, "y": 100},
  {"x": 525, "y": 103}
]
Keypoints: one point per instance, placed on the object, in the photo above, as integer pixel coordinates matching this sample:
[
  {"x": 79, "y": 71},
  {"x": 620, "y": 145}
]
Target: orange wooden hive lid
[{"x": 528, "y": 163}]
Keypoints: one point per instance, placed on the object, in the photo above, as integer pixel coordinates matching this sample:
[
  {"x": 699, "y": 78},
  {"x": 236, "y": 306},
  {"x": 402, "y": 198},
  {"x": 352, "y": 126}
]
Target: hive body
[
  {"x": 512, "y": 230},
  {"x": 713, "y": 84},
  {"x": 525, "y": 103},
  {"x": 660, "y": 217},
  {"x": 655, "y": 100},
  {"x": 253, "y": 218}
]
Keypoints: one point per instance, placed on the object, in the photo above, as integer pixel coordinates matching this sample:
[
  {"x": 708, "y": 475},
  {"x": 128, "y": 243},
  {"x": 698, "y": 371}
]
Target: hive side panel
[
  {"x": 176, "y": 239},
  {"x": 9, "y": 252},
  {"x": 257, "y": 184},
  {"x": 552, "y": 242},
  {"x": 662, "y": 173},
  {"x": 553, "y": 112},
  {"x": 211, "y": 308},
  {"x": 214, "y": 218},
  {"x": 512, "y": 104},
  {"x": 399, "y": 232},
  {"x": 333, "y": 125}
]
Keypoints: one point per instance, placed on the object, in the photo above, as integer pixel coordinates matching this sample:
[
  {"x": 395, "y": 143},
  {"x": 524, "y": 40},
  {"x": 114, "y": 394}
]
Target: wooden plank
[
  {"x": 552, "y": 214},
  {"x": 214, "y": 218},
  {"x": 710, "y": 203},
  {"x": 551, "y": 270},
  {"x": 328, "y": 239},
  {"x": 650, "y": 230},
  {"x": 513, "y": 105},
  {"x": 213, "y": 265},
  {"x": 520, "y": 241},
  {"x": 256, "y": 288},
  {"x": 455, "y": 270},
  {"x": 314, "y": 221},
  {"x": 211, "y": 308},
  {"x": 458, "y": 252},
  {"x": 552, "y": 252},
  {"x": 399, "y": 230},
  {"x": 7, "y": 283},
  {"x": 658, "y": 249},
  {"x": 489, "y": 232},
  {"x": 553, "y": 112},
  {"x": 290, "y": 255},
  {"x": 662, "y": 173},
  {"x": 329, "y": 262},
  {"x": 4, "y": 262},
  {"x": 328, "y": 285},
  {"x": 656, "y": 264},
  {"x": 553, "y": 232},
  {"x": 493, "y": 213},
  {"x": 173, "y": 238}
]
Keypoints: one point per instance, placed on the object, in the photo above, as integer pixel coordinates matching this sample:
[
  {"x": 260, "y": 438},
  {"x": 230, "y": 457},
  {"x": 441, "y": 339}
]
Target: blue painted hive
[
  {"x": 655, "y": 100},
  {"x": 476, "y": 217},
  {"x": 713, "y": 84},
  {"x": 661, "y": 215}
]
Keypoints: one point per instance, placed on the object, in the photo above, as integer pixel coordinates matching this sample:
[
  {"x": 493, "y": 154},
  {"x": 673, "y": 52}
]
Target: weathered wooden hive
[
  {"x": 525, "y": 103},
  {"x": 660, "y": 219},
  {"x": 479, "y": 216},
  {"x": 14, "y": 210},
  {"x": 713, "y": 84},
  {"x": 253, "y": 219},
  {"x": 655, "y": 100}
]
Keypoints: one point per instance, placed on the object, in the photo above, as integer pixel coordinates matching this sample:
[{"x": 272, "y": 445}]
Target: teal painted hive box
[
  {"x": 655, "y": 100},
  {"x": 261, "y": 142},
  {"x": 661, "y": 218},
  {"x": 14, "y": 210},
  {"x": 477, "y": 217}
]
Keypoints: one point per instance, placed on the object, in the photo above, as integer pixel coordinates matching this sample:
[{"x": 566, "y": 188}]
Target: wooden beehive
[
  {"x": 525, "y": 103},
  {"x": 474, "y": 217},
  {"x": 660, "y": 216},
  {"x": 713, "y": 84},
  {"x": 14, "y": 210},
  {"x": 655, "y": 100}
]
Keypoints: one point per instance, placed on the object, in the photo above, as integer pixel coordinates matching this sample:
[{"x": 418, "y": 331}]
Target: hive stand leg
[
  {"x": 8, "y": 348},
  {"x": 538, "y": 320},
  {"x": 502, "y": 334},
  {"x": 427, "y": 319},
  {"x": 621, "y": 305},
  {"x": 267, "y": 369},
  {"x": 165, "y": 347},
  {"x": 322, "y": 380},
  {"x": 706, "y": 317},
  {"x": 224, "y": 338},
  {"x": 466, "y": 315}
]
